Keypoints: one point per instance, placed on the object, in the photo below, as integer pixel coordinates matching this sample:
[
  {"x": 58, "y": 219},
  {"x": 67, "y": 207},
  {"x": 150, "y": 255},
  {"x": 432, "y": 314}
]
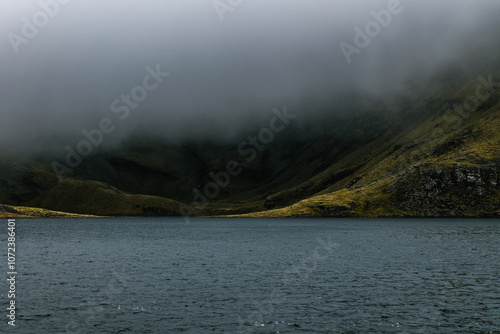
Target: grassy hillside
[
  {"x": 434, "y": 153},
  {"x": 144, "y": 177},
  {"x": 446, "y": 165},
  {"x": 101, "y": 199},
  {"x": 27, "y": 212}
]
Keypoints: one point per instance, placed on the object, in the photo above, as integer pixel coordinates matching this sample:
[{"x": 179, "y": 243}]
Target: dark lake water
[{"x": 255, "y": 276}]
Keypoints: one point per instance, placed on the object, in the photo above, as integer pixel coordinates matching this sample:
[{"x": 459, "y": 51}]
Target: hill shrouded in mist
[{"x": 331, "y": 108}]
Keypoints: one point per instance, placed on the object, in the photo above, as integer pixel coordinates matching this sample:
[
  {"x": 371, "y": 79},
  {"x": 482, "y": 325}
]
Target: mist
[{"x": 222, "y": 66}]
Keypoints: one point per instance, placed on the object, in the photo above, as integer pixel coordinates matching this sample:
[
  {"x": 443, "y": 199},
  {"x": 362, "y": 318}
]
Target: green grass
[
  {"x": 347, "y": 167},
  {"x": 91, "y": 197},
  {"x": 43, "y": 213},
  {"x": 431, "y": 145}
]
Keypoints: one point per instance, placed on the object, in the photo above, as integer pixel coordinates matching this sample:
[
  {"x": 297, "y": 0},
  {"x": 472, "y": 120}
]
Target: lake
[{"x": 162, "y": 275}]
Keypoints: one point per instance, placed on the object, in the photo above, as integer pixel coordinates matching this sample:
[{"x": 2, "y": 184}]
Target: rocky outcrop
[
  {"x": 462, "y": 191},
  {"x": 340, "y": 211},
  {"x": 8, "y": 209}
]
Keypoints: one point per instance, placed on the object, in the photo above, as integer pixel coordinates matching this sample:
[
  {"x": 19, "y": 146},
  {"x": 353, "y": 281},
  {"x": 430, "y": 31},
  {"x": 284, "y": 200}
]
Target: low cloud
[{"x": 225, "y": 75}]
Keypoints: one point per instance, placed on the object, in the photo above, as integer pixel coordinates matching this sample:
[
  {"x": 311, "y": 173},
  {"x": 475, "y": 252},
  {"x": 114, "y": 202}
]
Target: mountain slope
[
  {"x": 433, "y": 154},
  {"x": 448, "y": 165}
]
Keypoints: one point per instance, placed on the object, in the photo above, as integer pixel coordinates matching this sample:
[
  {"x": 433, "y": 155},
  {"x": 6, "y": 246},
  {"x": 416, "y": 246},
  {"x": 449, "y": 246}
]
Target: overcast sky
[{"x": 228, "y": 66}]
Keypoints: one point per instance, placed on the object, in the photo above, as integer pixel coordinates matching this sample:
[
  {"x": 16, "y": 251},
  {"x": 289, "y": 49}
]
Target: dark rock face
[
  {"x": 339, "y": 211},
  {"x": 156, "y": 212},
  {"x": 9, "y": 209},
  {"x": 458, "y": 191}
]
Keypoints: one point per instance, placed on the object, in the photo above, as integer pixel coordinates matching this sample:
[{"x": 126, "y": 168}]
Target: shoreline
[{"x": 49, "y": 214}]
